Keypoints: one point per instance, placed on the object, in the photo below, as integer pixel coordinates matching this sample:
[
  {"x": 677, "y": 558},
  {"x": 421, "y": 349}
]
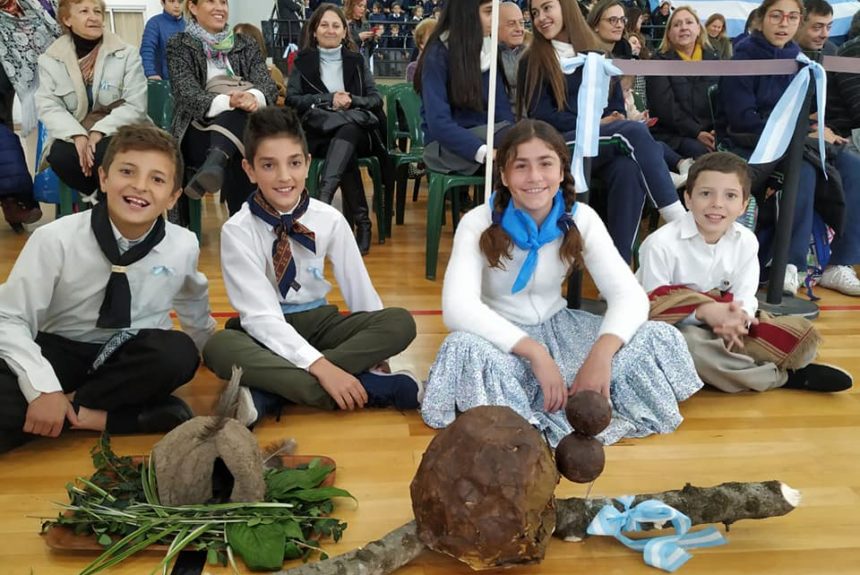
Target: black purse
[{"x": 326, "y": 120}]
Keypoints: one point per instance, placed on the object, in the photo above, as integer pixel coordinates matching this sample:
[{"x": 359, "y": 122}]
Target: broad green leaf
[
  {"x": 105, "y": 540},
  {"x": 282, "y": 481},
  {"x": 319, "y": 494},
  {"x": 292, "y": 551},
  {"x": 261, "y": 546}
]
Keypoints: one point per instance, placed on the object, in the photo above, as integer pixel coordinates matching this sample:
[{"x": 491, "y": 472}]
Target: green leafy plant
[{"x": 119, "y": 505}]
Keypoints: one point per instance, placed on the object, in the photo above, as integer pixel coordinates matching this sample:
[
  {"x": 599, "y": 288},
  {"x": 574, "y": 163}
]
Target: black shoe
[
  {"x": 819, "y": 377},
  {"x": 400, "y": 389},
  {"x": 209, "y": 177},
  {"x": 362, "y": 237},
  {"x": 163, "y": 416},
  {"x": 18, "y": 211}
]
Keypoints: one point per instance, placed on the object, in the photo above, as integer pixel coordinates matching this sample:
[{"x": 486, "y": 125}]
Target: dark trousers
[
  {"x": 196, "y": 145},
  {"x": 145, "y": 369},
  {"x": 63, "y": 158}
]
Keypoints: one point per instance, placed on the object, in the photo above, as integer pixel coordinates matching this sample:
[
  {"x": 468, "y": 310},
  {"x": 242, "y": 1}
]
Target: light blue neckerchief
[
  {"x": 525, "y": 233},
  {"x": 592, "y": 99},
  {"x": 665, "y": 552},
  {"x": 780, "y": 125}
]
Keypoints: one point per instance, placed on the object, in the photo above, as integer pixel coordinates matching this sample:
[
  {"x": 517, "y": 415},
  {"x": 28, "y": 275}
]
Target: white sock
[{"x": 672, "y": 212}]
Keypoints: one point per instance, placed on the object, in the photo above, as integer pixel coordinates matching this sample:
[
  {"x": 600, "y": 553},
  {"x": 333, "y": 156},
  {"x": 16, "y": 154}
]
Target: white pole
[{"x": 491, "y": 102}]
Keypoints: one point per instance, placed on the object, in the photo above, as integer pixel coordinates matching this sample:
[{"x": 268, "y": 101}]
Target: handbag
[
  {"x": 95, "y": 116},
  {"x": 326, "y": 120},
  {"x": 223, "y": 84}
]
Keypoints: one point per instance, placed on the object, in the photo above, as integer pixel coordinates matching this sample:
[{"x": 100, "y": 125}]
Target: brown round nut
[
  {"x": 588, "y": 412},
  {"x": 580, "y": 458}
]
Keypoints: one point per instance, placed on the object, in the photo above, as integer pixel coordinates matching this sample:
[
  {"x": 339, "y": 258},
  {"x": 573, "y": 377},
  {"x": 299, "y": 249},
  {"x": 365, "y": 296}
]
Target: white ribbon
[
  {"x": 781, "y": 124},
  {"x": 666, "y": 552},
  {"x": 592, "y": 99}
]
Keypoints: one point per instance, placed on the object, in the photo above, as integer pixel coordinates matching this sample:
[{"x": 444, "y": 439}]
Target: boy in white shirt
[
  {"x": 291, "y": 344},
  {"x": 701, "y": 272},
  {"x": 86, "y": 338}
]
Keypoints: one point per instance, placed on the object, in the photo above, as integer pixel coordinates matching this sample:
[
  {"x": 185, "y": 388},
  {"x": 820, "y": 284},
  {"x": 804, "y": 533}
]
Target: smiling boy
[
  {"x": 701, "y": 273},
  {"x": 290, "y": 342},
  {"x": 86, "y": 338}
]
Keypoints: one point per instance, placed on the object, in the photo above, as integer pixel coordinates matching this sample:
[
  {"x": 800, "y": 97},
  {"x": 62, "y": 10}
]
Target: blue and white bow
[
  {"x": 665, "y": 552},
  {"x": 780, "y": 125},
  {"x": 592, "y": 99}
]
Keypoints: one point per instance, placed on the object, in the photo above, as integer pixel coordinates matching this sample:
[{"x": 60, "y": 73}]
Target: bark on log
[{"x": 724, "y": 503}]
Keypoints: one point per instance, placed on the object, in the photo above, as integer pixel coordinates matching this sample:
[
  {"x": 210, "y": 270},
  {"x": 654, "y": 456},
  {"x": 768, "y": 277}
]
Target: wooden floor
[{"x": 811, "y": 442}]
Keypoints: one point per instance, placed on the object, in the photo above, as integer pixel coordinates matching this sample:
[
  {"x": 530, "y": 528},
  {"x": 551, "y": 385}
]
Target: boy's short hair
[
  {"x": 145, "y": 138},
  {"x": 272, "y": 122},
  {"x": 725, "y": 163}
]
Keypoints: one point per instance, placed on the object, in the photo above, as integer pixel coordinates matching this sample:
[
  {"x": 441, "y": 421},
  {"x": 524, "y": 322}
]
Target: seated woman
[
  {"x": 545, "y": 92},
  {"x": 217, "y": 78},
  {"x": 609, "y": 21},
  {"x": 453, "y": 79},
  {"x": 91, "y": 83},
  {"x": 681, "y": 103},
  {"x": 747, "y": 102},
  {"x": 328, "y": 73},
  {"x": 717, "y": 37},
  {"x": 513, "y": 340}
]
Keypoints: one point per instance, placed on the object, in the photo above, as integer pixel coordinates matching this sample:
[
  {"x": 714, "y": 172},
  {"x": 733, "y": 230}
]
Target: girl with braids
[
  {"x": 453, "y": 79},
  {"x": 514, "y": 342}
]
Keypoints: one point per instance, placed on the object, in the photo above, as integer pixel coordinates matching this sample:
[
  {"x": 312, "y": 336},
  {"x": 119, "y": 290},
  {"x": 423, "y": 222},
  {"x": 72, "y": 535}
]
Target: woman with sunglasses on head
[
  {"x": 631, "y": 170},
  {"x": 747, "y": 102}
]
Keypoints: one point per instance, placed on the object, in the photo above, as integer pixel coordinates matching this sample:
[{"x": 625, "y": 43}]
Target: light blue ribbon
[
  {"x": 666, "y": 552},
  {"x": 780, "y": 125},
  {"x": 592, "y": 99}
]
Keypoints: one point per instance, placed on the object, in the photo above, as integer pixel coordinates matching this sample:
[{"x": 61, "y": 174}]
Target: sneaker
[
  {"x": 400, "y": 389},
  {"x": 209, "y": 177},
  {"x": 842, "y": 279},
  {"x": 247, "y": 413},
  {"x": 679, "y": 180},
  {"x": 685, "y": 165},
  {"x": 263, "y": 402},
  {"x": 819, "y": 377},
  {"x": 791, "y": 283}
]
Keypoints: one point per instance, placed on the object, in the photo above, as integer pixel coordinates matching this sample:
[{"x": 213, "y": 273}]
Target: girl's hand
[
  {"x": 596, "y": 372},
  {"x": 551, "y": 382}
]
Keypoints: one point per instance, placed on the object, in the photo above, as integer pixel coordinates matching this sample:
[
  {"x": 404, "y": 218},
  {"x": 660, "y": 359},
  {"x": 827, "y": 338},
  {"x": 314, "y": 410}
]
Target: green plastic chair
[
  {"x": 375, "y": 171},
  {"x": 409, "y": 102},
  {"x": 439, "y": 186}
]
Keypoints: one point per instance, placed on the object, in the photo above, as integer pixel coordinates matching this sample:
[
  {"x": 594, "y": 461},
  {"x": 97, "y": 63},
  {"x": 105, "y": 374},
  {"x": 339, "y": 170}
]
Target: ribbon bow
[
  {"x": 781, "y": 124},
  {"x": 666, "y": 552},
  {"x": 592, "y": 99}
]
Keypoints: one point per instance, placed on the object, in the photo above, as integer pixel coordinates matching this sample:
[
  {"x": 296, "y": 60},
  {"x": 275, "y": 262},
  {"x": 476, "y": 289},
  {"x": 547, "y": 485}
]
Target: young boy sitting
[
  {"x": 290, "y": 343},
  {"x": 86, "y": 339},
  {"x": 701, "y": 272}
]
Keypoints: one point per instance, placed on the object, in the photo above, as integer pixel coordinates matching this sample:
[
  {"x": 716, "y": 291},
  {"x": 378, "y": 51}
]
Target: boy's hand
[
  {"x": 47, "y": 413},
  {"x": 343, "y": 387},
  {"x": 728, "y": 320}
]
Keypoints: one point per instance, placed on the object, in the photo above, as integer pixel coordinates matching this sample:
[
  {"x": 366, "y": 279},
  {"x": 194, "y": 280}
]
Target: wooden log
[{"x": 724, "y": 503}]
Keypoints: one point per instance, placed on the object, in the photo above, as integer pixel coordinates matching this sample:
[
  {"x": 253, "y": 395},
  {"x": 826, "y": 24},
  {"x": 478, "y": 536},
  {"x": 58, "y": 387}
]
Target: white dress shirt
[
  {"x": 249, "y": 276},
  {"x": 477, "y": 298},
  {"x": 677, "y": 254},
  {"x": 58, "y": 284}
]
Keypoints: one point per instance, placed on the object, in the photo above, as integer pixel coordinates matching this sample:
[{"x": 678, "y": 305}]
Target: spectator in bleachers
[
  {"x": 274, "y": 71},
  {"x": 814, "y": 32},
  {"x": 681, "y": 102},
  {"x": 545, "y": 92},
  {"x": 80, "y": 114},
  {"x": 419, "y": 35},
  {"x": 417, "y": 13},
  {"x": 717, "y": 37},
  {"x": 217, "y": 77},
  {"x": 844, "y": 89},
  {"x": 747, "y": 102},
  {"x": 635, "y": 17},
  {"x": 453, "y": 79},
  {"x": 26, "y": 30},
  {"x": 512, "y": 36},
  {"x": 430, "y": 6},
  {"x": 330, "y": 74},
  {"x": 376, "y": 14},
  {"x": 397, "y": 44},
  {"x": 397, "y": 14},
  {"x": 659, "y": 17},
  {"x": 608, "y": 20},
  {"x": 153, "y": 44},
  {"x": 360, "y": 29}
]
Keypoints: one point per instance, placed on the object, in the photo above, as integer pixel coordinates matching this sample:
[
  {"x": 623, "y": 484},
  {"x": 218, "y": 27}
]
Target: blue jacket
[
  {"x": 446, "y": 124},
  {"x": 544, "y": 106},
  {"x": 747, "y": 101},
  {"x": 153, "y": 45},
  {"x": 14, "y": 175}
]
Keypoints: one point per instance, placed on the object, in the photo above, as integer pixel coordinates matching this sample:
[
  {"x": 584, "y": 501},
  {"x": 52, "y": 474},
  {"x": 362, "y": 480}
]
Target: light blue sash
[
  {"x": 780, "y": 126},
  {"x": 666, "y": 552},
  {"x": 592, "y": 99}
]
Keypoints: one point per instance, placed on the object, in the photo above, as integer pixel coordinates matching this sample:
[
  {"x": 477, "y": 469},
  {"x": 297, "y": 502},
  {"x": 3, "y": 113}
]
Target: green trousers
[{"x": 354, "y": 342}]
